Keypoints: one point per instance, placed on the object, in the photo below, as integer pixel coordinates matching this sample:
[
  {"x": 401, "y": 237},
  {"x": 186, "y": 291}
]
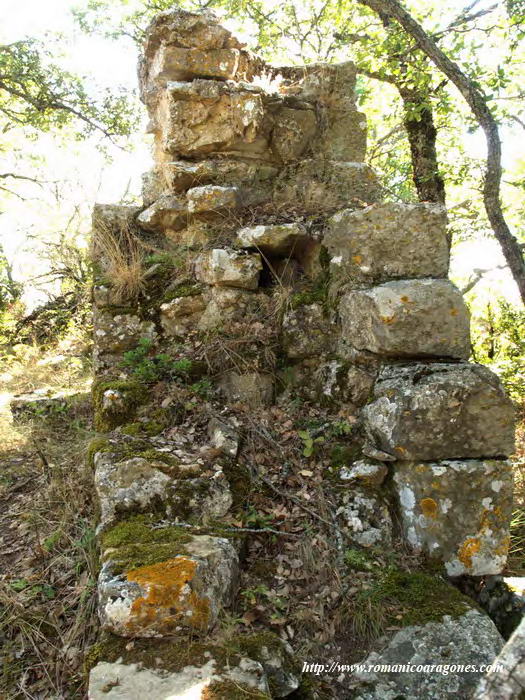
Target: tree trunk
[
  {"x": 422, "y": 136},
  {"x": 476, "y": 101}
]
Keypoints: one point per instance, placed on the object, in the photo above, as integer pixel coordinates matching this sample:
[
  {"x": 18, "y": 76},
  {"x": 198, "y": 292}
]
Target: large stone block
[
  {"x": 276, "y": 240},
  {"x": 211, "y": 198},
  {"x": 225, "y": 268},
  {"x": 252, "y": 388},
  {"x": 440, "y": 411},
  {"x": 307, "y": 332},
  {"x": 407, "y": 318},
  {"x": 457, "y": 512},
  {"x": 181, "y": 175},
  {"x": 183, "y": 593},
  {"x": 168, "y": 213},
  {"x": 127, "y": 485},
  {"x": 388, "y": 241},
  {"x": 344, "y": 137},
  {"x": 326, "y": 185},
  {"x": 470, "y": 640}
]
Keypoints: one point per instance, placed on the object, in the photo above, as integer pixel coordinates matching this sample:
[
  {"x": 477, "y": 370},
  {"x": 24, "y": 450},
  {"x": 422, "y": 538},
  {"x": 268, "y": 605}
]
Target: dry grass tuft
[{"x": 123, "y": 256}]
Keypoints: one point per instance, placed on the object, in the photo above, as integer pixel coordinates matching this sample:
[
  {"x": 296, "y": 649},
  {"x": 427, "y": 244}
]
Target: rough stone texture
[
  {"x": 226, "y": 304},
  {"x": 364, "y": 474},
  {"x": 185, "y": 592},
  {"x": 508, "y": 681},
  {"x": 254, "y": 388},
  {"x": 118, "y": 681},
  {"x": 224, "y": 436},
  {"x": 181, "y": 314},
  {"x": 209, "y": 198},
  {"x": 327, "y": 185},
  {"x": 466, "y": 528},
  {"x": 129, "y": 485},
  {"x": 181, "y": 175},
  {"x": 469, "y": 639},
  {"x": 440, "y": 411},
  {"x": 229, "y": 269},
  {"x": 407, "y": 318},
  {"x": 388, "y": 241},
  {"x": 120, "y": 332},
  {"x": 274, "y": 239},
  {"x": 167, "y": 213},
  {"x": 307, "y": 332},
  {"x": 364, "y": 518}
]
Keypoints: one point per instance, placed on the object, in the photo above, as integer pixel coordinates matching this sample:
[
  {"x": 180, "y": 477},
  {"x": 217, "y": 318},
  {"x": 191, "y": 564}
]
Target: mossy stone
[{"x": 133, "y": 395}]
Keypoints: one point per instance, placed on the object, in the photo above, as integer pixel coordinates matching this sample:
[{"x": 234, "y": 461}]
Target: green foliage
[
  {"x": 150, "y": 369},
  {"x": 498, "y": 336},
  {"x": 37, "y": 93},
  {"x": 309, "y": 442}
]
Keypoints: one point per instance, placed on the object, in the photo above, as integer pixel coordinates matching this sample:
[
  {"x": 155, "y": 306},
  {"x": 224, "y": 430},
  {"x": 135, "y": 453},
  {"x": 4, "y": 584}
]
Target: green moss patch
[
  {"x": 133, "y": 395},
  {"x": 400, "y": 598}
]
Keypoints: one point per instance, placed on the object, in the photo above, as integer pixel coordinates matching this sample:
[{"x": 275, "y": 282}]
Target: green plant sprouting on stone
[{"x": 149, "y": 369}]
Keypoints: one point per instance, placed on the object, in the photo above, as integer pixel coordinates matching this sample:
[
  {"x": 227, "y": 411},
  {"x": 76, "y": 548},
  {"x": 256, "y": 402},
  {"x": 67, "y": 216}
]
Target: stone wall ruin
[{"x": 275, "y": 274}]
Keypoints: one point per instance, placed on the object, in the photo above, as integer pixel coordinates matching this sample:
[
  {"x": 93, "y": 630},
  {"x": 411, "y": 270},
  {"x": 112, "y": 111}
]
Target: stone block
[
  {"x": 470, "y": 639},
  {"x": 457, "y": 512},
  {"x": 293, "y": 131},
  {"x": 168, "y": 213},
  {"x": 344, "y": 136},
  {"x": 181, "y": 594},
  {"x": 307, "y": 332},
  {"x": 127, "y": 485},
  {"x": 252, "y": 388},
  {"x": 276, "y": 240},
  {"x": 407, "y": 318},
  {"x": 181, "y": 314},
  {"x": 326, "y": 185},
  {"x": 210, "y": 198},
  {"x": 116, "y": 333},
  {"x": 440, "y": 411},
  {"x": 180, "y": 175},
  {"x": 225, "y": 268},
  {"x": 388, "y": 241}
]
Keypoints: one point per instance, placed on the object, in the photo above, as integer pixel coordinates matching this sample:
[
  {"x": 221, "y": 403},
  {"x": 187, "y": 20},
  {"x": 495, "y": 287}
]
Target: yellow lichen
[
  {"x": 166, "y": 589},
  {"x": 429, "y": 508},
  {"x": 357, "y": 259},
  {"x": 468, "y": 549}
]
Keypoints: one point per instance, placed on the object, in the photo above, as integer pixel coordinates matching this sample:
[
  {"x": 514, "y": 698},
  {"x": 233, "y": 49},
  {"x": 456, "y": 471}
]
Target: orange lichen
[
  {"x": 400, "y": 450},
  {"x": 468, "y": 549},
  {"x": 503, "y": 549},
  {"x": 357, "y": 259},
  {"x": 388, "y": 319},
  {"x": 168, "y": 600},
  {"x": 429, "y": 507}
]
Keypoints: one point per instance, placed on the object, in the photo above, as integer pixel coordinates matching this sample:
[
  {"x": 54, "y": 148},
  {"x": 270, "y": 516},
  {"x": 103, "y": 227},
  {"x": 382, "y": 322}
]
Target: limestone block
[
  {"x": 469, "y": 639},
  {"x": 209, "y": 198},
  {"x": 440, "y": 411},
  {"x": 364, "y": 518},
  {"x": 152, "y": 186},
  {"x": 326, "y": 185},
  {"x": 335, "y": 382},
  {"x": 206, "y": 117},
  {"x": 167, "y": 213},
  {"x": 128, "y": 485},
  {"x": 388, "y": 241},
  {"x": 120, "y": 332},
  {"x": 182, "y": 314},
  {"x": 180, "y": 175},
  {"x": 253, "y": 388},
  {"x": 226, "y": 268},
  {"x": 273, "y": 239},
  {"x": 344, "y": 137},
  {"x": 224, "y": 436},
  {"x": 407, "y": 318},
  {"x": 176, "y": 63},
  {"x": 228, "y": 304},
  {"x": 184, "y": 592},
  {"x": 134, "y": 681},
  {"x": 457, "y": 512},
  {"x": 293, "y": 131},
  {"x": 306, "y": 332},
  {"x": 327, "y": 83},
  {"x": 506, "y": 680}
]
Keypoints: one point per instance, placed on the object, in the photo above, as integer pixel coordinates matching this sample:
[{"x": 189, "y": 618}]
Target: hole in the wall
[{"x": 279, "y": 271}]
